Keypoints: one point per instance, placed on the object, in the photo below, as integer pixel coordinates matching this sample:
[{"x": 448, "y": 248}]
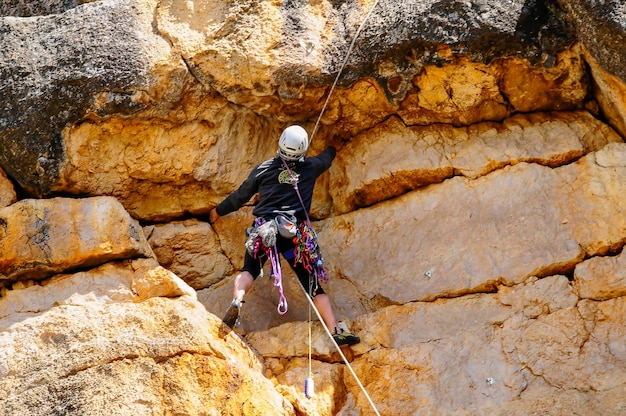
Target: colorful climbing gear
[
  {"x": 307, "y": 252},
  {"x": 263, "y": 243}
]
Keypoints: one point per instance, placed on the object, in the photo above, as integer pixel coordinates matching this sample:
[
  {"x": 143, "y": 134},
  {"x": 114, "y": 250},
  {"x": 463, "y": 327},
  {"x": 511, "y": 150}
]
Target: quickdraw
[
  {"x": 276, "y": 271},
  {"x": 307, "y": 252}
]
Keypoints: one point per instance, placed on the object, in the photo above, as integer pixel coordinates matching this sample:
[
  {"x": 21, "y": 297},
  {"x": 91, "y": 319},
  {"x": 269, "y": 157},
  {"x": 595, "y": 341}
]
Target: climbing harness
[{"x": 261, "y": 242}]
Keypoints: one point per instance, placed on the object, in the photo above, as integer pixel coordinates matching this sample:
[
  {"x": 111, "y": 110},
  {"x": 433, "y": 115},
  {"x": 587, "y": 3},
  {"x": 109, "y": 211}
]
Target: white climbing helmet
[{"x": 293, "y": 143}]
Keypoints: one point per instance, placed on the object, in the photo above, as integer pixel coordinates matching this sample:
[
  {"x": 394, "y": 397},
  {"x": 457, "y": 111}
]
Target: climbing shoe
[
  {"x": 343, "y": 337},
  {"x": 232, "y": 313}
]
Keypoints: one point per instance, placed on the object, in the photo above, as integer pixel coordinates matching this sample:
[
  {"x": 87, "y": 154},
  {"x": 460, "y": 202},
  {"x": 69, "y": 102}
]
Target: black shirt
[{"x": 273, "y": 182}]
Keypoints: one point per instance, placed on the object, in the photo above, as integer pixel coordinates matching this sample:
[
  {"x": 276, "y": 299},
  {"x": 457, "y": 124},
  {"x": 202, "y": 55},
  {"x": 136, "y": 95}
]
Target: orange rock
[{"x": 40, "y": 238}]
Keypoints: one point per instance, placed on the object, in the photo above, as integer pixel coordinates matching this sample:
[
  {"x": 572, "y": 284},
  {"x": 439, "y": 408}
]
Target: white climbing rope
[
  {"x": 308, "y": 388},
  {"x": 308, "y": 383},
  {"x": 311, "y": 304},
  {"x": 345, "y": 61},
  {"x": 345, "y": 360}
]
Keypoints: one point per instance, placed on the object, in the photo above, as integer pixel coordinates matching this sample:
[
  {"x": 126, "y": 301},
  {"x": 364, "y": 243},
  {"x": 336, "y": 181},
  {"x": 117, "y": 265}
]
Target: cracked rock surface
[{"x": 472, "y": 224}]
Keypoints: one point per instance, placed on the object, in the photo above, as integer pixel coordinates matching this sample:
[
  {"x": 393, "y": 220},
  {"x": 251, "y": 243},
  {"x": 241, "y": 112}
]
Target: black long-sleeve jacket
[{"x": 277, "y": 193}]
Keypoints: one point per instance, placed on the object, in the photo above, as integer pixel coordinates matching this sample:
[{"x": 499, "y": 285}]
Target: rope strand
[
  {"x": 345, "y": 61},
  {"x": 345, "y": 360},
  {"x": 311, "y": 304}
]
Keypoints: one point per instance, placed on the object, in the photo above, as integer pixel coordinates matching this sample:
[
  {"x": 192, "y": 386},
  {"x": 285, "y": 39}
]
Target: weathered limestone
[
  {"x": 191, "y": 250},
  {"x": 549, "y": 139},
  {"x": 99, "y": 58},
  {"x": 162, "y": 169},
  {"x": 593, "y": 194},
  {"x": 368, "y": 169},
  {"x": 483, "y": 353},
  {"x": 463, "y": 93},
  {"x": 460, "y": 93},
  {"x": 301, "y": 43},
  {"x": 7, "y": 192},
  {"x": 393, "y": 158},
  {"x": 601, "y": 278},
  {"x": 536, "y": 297},
  {"x": 186, "y": 71},
  {"x": 330, "y": 390},
  {"x": 272, "y": 343},
  {"x": 112, "y": 282},
  {"x": 104, "y": 346},
  {"x": 514, "y": 223},
  {"x": 610, "y": 93},
  {"x": 517, "y": 222},
  {"x": 601, "y": 28},
  {"x": 159, "y": 282},
  {"x": 260, "y": 310},
  {"x": 39, "y": 238},
  {"x": 575, "y": 336},
  {"x": 474, "y": 244},
  {"x": 423, "y": 322},
  {"x": 560, "y": 85}
]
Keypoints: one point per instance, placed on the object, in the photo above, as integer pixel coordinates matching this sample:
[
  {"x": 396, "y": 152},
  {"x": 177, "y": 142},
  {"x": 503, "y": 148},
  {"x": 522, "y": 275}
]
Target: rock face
[
  {"x": 7, "y": 193},
  {"x": 64, "y": 65},
  {"x": 40, "y": 238},
  {"x": 412, "y": 157},
  {"x": 602, "y": 29},
  {"x": 473, "y": 222},
  {"x": 114, "y": 346},
  {"x": 189, "y": 249}
]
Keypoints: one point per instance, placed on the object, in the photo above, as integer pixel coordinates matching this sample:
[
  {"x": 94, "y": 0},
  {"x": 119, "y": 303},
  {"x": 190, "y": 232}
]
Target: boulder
[
  {"x": 191, "y": 250},
  {"x": 42, "y": 237},
  {"x": 96, "y": 342}
]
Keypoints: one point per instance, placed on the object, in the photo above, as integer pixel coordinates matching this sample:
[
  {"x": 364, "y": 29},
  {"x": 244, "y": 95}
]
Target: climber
[{"x": 285, "y": 187}]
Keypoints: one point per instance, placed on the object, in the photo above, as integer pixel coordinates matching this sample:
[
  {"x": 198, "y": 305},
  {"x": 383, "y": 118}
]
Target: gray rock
[
  {"x": 51, "y": 68},
  {"x": 25, "y": 8},
  {"x": 601, "y": 27}
]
